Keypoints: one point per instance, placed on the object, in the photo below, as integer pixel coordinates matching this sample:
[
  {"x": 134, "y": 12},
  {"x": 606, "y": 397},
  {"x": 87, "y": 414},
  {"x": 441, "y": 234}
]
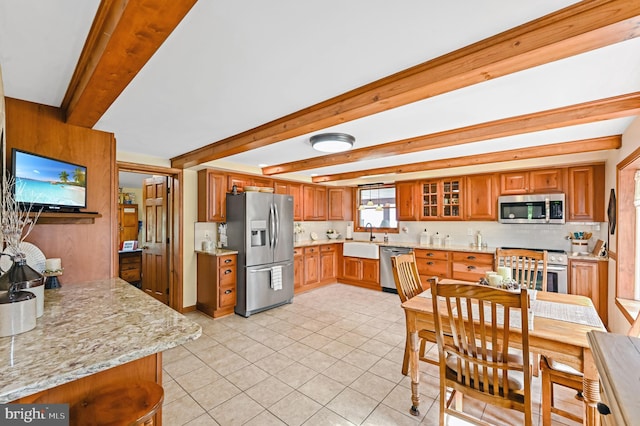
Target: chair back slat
[
  {"x": 525, "y": 265},
  {"x": 474, "y": 328},
  {"x": 405, "y": 274}
]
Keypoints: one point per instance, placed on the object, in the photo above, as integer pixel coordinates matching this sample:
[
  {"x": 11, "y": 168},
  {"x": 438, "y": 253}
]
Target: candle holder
[{"x": 52, "y": 279}]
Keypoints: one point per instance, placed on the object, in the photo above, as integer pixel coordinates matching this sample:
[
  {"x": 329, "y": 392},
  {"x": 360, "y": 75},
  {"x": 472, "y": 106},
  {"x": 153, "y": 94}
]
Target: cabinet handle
[
  {"x": 471, "y": 257},
  {"x": 430, "y": 254},
  {"x": 228, "y": 271},
  {"x": 228, "y": 291},
  {"x": 429, "y": 263},
  {"x": 228, "y": 260},
  {"x": 471, "y": 267}
]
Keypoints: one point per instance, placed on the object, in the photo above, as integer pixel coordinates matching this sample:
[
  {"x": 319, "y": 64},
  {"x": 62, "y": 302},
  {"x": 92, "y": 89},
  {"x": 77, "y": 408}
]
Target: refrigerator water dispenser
[{"x": 258, "y": 233}]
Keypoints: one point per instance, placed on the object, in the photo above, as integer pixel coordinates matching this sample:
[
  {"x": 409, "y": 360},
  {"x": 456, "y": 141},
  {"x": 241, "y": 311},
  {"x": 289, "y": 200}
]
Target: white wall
[{"x": 630, "y": 142}]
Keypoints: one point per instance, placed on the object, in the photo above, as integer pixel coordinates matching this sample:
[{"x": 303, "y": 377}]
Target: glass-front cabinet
[{"x": 442, "y": 199}]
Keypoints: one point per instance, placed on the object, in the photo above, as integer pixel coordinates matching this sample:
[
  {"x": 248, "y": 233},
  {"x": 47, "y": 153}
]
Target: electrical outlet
[{"x": 470, "y": 232}]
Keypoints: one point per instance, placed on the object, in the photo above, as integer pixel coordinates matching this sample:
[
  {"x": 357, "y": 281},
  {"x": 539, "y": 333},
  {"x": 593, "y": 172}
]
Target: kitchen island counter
[{"x": 88, "y": 328}]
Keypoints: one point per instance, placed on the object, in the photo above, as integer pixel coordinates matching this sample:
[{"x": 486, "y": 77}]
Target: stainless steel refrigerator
[{"x": 260, "y": 228}]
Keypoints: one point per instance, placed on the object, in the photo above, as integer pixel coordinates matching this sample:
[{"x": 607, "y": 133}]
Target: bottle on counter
[
  {"x": 437, "y": 240},
  {"x": 425, "y": 238},
  {"x": 479, "y": 240},
  {"x": 447, "y": 241}
]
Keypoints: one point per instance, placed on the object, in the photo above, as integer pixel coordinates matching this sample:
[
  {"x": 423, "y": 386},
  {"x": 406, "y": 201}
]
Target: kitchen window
[{"x": 376, "y": 204}]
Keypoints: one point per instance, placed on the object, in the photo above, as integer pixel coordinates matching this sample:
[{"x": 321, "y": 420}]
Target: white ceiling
[{"x": 234, "y": 65}]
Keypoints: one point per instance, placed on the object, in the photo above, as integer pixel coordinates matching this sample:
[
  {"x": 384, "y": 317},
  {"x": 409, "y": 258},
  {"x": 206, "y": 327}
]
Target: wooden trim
[
  {"x": 603, "y": 109},
  {"x": 585, "y": 145},
  {"x": 576, "y": 29},
  {"x": 629, "y": 308},
  {"x": 123, "y": 37},
  {"x": 186, "y": 309},
  {"x": 612, "y": 255}
]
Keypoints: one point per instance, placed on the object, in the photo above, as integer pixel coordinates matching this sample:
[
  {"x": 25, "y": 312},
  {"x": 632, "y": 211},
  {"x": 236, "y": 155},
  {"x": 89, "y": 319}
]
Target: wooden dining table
[{"x": 558, "y": 338}]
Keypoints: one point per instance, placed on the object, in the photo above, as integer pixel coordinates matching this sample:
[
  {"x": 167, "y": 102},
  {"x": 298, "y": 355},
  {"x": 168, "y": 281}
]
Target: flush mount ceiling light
[{"x": 332, "y": 142}]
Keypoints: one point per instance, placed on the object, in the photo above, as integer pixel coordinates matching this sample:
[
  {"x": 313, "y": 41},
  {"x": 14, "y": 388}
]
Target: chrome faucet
[{"x": 369, "y": 227}]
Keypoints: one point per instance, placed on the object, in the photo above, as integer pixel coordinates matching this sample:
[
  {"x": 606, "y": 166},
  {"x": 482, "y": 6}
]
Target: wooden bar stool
[{"x": 119, "y": 404}]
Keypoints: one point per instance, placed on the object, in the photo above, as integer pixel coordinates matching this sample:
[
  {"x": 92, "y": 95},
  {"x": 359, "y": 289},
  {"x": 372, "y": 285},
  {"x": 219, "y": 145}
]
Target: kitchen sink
[{"x": 361, "y": 249}]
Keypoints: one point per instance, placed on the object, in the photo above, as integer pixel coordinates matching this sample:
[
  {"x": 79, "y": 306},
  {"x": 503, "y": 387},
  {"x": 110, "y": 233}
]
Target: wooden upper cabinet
[
  {"x": 481, "y": 197},
  {"x": 240, "y": 181},
  {"x": 339, "y": 204},
  {"x": 295, "y": 190},
  {"x": 314, "y": 203},
  {"x": 442, "y": 199},
  {"x": 586, "y": 193},
  {"x": 406, "y": 200},
  {"x": 532, "y": 182},
  {"x": 212, "y": 190}
]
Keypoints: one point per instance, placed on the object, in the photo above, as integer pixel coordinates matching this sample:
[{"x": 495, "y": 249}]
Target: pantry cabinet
[{"x": 589, "y": 277}]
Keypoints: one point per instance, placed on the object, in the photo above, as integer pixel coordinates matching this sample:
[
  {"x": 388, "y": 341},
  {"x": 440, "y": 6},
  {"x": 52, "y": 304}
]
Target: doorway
[{"x": 132, "y": 179}]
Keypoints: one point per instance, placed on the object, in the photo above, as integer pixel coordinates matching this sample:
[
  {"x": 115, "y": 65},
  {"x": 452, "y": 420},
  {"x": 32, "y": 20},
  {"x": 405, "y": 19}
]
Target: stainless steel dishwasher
[{"x": 386, "y": 270}]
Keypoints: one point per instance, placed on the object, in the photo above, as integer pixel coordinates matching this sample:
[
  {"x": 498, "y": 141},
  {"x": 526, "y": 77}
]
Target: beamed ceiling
[{"x": 423, "y": 86}]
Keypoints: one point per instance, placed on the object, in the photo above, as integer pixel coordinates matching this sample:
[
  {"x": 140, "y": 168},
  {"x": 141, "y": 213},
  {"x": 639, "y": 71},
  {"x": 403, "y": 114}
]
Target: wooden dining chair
[
  {"x": 555, "y": 373},
  {"x": 474, "y": 327},
  {"x": 408, "y": 284},
  {"x": 525, "y": 265}
]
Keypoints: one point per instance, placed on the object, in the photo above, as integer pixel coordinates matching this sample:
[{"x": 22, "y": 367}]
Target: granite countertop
[
  {"x": 87, "y": 328},
  {"x": 217, "y": 252},
  {"x": 490, "y": 250}
]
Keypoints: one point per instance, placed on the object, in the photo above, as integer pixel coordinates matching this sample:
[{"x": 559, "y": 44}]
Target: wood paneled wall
[{"x": 86, "y": 250}]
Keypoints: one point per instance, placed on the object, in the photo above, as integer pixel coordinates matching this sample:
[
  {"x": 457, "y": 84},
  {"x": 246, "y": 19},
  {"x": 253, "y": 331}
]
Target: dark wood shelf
[{"x": 66, "y": 218}]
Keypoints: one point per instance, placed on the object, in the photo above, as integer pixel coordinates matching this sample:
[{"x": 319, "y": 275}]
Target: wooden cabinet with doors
[
  {"x": 127, "y": 223},
  {"x": 319, "y": 265},
  {"x": 532, "y": 181},
  {"x": 314, "y": 205},
  {"x": 481, "y": 198},
  {"x": 588, "y": 277},
  {"x": 240, "y": 181},
  {"x": 585, "y": 195},
  {"x": 432, "y": 263},
  {"x": 311, "y": 266},
  {"x": 407, "y": 200},
  {"x": 361, "y": 272},
  {"x": 470, "y": 266},
  {"x": 328, "y": 263},
  {"x": 340, "y": 204},
  {"x": 130, "y": 266},
  {"x": 212, "y": 193},
  {"x": 442, "y": 199},
  {"x": 216, "y": 284},
  {"x": 295, "y": 190}
]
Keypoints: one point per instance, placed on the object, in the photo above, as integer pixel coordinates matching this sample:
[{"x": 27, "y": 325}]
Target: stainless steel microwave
[{"x": 534, "y": 208}]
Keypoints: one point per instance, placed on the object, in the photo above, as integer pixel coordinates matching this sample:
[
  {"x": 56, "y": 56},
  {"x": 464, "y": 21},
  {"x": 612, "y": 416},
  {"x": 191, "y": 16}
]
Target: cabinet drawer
[
  {"x": 431, "y": 254},
  {"x": 475, "y": 258},
  {"x": 328, "y": 248},
  {"x": 227, "y": 275},
  {"x": 227, "y": 296},
  {"x": 130, "y": 266},
  {"x": 297, "y": 251},
  {"x": 469, "y": 271},
  {"x": 226, "y": 261},
  {"x": 431, "y": 267},
  {"x": 130, "y": 275},
  {"x": 311, "y": 250}
]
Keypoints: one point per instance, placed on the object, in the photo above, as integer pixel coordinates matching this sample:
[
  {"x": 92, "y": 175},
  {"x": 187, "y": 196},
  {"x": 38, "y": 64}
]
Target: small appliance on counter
[{"x": 17, "y": 312}]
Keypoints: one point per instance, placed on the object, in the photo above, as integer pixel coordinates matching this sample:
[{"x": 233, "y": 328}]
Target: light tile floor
[{"x": 332, "y": 357}]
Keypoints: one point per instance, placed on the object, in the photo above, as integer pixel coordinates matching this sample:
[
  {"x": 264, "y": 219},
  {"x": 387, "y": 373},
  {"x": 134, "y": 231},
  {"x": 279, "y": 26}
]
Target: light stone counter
[
  {"x": 217, "y": 252},
  {"x": 463, "y": 248},
  {"x": 87, "y": 328}
]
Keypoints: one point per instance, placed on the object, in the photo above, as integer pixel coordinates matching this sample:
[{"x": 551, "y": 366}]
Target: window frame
[{"x": 357, "y": 203}]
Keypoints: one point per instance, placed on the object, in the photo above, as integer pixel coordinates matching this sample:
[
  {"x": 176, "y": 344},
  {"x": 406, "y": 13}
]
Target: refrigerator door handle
[
  {"x": 271, "y": 226},
  {"x": 277, "y": 225},
  {"x": 253, "y": 271}
]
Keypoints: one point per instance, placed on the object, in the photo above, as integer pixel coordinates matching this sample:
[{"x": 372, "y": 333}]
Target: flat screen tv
[{"x": 47, "y": 183}]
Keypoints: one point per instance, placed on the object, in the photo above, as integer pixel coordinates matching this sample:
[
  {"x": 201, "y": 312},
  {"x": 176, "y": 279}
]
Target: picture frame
[{"x": 129, "y": 245}]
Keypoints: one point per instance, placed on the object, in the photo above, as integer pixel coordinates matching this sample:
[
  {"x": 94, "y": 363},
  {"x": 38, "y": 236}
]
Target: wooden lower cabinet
[
  {"x": 590, "y": 278},
  {"x": 314, "y": 266},
  {"x": 470, "y": 266},
  {"x": 361, "y": 272},
  {"x": 432, "y": 263},
  {"x": 216, "y": 285},
  {"x": 130, "y": 265}
]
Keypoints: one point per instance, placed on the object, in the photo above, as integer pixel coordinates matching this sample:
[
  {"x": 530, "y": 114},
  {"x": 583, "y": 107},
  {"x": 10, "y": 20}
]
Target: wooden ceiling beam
[
  {"x": 579, "y": 28},
  {"x": 123, "y": 37},
  {"x": 574, "y": 147},
  {"x": 603, "y": 109}
]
